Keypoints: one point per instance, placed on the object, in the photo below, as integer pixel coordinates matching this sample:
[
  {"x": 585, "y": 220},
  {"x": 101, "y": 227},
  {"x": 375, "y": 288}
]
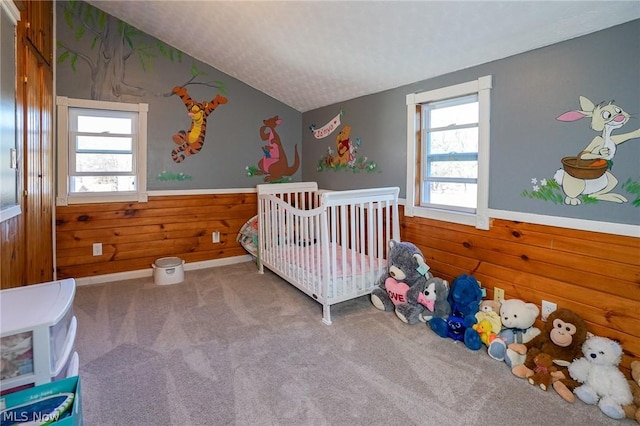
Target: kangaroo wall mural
[{"x": 274, "y": 164}]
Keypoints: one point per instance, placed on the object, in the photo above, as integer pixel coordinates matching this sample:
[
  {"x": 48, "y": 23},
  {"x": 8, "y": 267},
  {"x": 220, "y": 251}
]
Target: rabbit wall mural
[{"x": 588, "y": 177}]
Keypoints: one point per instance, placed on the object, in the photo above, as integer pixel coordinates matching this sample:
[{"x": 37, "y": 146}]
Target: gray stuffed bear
[
  {"x": 401, "y": 287},
  {"x": 436, "y": 292}
]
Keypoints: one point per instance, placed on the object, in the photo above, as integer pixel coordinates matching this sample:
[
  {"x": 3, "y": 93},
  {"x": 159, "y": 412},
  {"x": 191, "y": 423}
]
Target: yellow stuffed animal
[
  {"x": 488, "y": 323},
  {"x": 485, "y": 330},
  {"x": 632, "y": 411}
]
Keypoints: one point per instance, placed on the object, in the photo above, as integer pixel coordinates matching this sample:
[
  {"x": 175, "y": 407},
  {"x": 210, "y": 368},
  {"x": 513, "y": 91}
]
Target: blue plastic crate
[{"x": 57, "y": 403}]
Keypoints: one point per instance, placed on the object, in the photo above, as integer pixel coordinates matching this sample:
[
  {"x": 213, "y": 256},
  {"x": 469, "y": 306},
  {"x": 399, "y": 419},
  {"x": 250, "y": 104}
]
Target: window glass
[
  {"x": 99, "y": 143},
  {"x": 458, "y": 140},
  {"x": 453, "y": 169},
  {"x": 104, "y": 163},
  {"x": 104, "y": 143},
  {"x": 454, "y": 112},
  {"x": 98, "y": 184},
  {"x": 92, "y": 121},
  {"x": 450, "y": 129}
]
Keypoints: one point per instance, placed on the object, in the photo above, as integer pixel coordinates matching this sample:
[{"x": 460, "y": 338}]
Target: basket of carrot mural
[{"x": 584, "y": 169}]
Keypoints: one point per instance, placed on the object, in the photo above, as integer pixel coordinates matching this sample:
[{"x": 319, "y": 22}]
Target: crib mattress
[{"x": 350, "y": 278}]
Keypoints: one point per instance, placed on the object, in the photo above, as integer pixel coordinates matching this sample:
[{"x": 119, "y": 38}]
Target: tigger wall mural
[{"x": 190, "y": 142}]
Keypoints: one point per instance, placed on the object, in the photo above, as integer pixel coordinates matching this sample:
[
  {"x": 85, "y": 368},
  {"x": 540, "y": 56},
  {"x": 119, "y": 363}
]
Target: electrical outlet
[
  {"x": 498, "y": 294},
  {"x": 215, "y": 237},
  {"x": 547, "y": 308},
  {"x": 97, "y": 249}
]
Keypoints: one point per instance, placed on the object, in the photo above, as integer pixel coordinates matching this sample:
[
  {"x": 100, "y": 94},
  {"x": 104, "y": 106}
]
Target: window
[
  {"x": 9, "y": 145},
  {"x": 102, "y": 151},
  {"x": 448, "y": 153}
]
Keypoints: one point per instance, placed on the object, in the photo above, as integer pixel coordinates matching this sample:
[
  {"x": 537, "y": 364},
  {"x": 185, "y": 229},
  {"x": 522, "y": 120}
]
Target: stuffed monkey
[{"x": 562, "y": 338}]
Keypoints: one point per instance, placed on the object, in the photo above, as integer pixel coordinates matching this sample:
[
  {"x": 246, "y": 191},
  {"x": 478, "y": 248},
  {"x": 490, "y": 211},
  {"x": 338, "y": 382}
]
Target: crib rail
[
  {"x": 331, "y": 245},
  {"x": 303, "y": 195}
]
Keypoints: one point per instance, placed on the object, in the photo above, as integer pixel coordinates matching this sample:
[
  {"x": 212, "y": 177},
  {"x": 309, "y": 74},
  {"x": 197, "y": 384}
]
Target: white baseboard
[{"x": 141, "y": 273}]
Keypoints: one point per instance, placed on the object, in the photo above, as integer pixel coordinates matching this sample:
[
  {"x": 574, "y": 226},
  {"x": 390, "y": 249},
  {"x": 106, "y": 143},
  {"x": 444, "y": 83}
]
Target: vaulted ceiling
[{"x": 308, "y": 54}]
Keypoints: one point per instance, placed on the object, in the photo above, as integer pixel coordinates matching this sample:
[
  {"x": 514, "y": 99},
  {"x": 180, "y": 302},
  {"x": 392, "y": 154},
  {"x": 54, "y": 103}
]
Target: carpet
[{"x": 229, "y": 346}]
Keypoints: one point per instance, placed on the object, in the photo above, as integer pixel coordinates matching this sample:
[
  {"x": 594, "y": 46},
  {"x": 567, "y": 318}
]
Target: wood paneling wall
[
  {"x": 595, "y": 275},
  {"x": 135, "y": 235}
]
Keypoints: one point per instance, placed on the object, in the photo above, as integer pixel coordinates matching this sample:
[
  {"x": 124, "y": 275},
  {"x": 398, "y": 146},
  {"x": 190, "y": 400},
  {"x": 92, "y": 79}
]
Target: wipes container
[{"x": 168, "y": 270}]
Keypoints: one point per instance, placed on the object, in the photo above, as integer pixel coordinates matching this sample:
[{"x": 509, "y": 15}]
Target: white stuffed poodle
[{"x": 602, "y": 381}]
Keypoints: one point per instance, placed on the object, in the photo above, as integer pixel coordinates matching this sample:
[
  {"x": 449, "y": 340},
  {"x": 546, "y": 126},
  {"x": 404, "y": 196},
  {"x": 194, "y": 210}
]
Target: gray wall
[
  {"x": 232, "y": 140},
  {"x": 529, "y": 91}
]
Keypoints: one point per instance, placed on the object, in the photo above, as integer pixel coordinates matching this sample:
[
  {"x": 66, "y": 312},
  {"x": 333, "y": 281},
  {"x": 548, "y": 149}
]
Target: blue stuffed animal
[{"x": 464, "y": 297}]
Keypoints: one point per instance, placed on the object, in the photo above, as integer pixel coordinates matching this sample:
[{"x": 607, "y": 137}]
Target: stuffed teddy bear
[
  {"x": 488, "y": 320},
  {"x": 517, "y": 317},
  {"x": 464, "y": 299},
  {"x": 542, "y": 373},
  {"x": 632, "y": 410},
  {"x": 602, "y": 381},
  {"x": 562, "y": 338},
  {"x": 424, "y": 301},
  {"x": 406, "y": 270},
  {"x": 490, "y": 310},
  {"x": 436, "y": 292}
]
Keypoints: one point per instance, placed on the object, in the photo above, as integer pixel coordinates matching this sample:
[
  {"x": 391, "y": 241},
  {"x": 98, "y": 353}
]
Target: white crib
[{"x": 332, "y": 245}]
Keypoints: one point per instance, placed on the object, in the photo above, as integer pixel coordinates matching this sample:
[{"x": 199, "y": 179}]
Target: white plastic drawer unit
[{"x": 38, "y": 331}]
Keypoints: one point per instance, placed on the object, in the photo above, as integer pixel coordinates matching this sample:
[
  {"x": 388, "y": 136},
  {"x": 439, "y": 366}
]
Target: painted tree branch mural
[{"x": 112, "y": 44}]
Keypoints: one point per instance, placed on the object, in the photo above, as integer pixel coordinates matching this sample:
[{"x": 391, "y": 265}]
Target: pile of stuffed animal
[{"x": 564, "y": 355}]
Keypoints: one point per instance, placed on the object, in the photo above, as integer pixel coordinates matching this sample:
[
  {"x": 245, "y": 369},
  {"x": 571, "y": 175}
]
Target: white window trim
[
  {"x": 482, "y": 87},
  {"x": 9, "y": 212},
  {"x": 12, "y": 11},
  {"x": 64, "y": 197}
]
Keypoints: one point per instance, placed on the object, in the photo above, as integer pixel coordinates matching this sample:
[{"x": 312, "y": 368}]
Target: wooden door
[
  {"x": 39, "y": 25},
  {"x": 26, "y": 241},
  {"x": 38, "y": 169}
]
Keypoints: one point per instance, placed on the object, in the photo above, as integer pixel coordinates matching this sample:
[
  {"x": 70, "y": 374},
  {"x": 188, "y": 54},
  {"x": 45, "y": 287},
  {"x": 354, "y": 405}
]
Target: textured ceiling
[{"x": 308, "y": 54}]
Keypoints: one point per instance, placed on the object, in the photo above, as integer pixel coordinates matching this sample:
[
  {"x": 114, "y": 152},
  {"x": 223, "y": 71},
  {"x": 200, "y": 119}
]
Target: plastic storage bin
[
  {"x": 37, "y": 334},
  {"x": 58, "y": 404},
  {"x": 168, "y": 270}
]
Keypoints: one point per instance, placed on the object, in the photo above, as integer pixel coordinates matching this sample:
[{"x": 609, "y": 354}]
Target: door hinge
[
  {"x": 25, "y": 193},
  {"x": 24, "y": 79}
]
